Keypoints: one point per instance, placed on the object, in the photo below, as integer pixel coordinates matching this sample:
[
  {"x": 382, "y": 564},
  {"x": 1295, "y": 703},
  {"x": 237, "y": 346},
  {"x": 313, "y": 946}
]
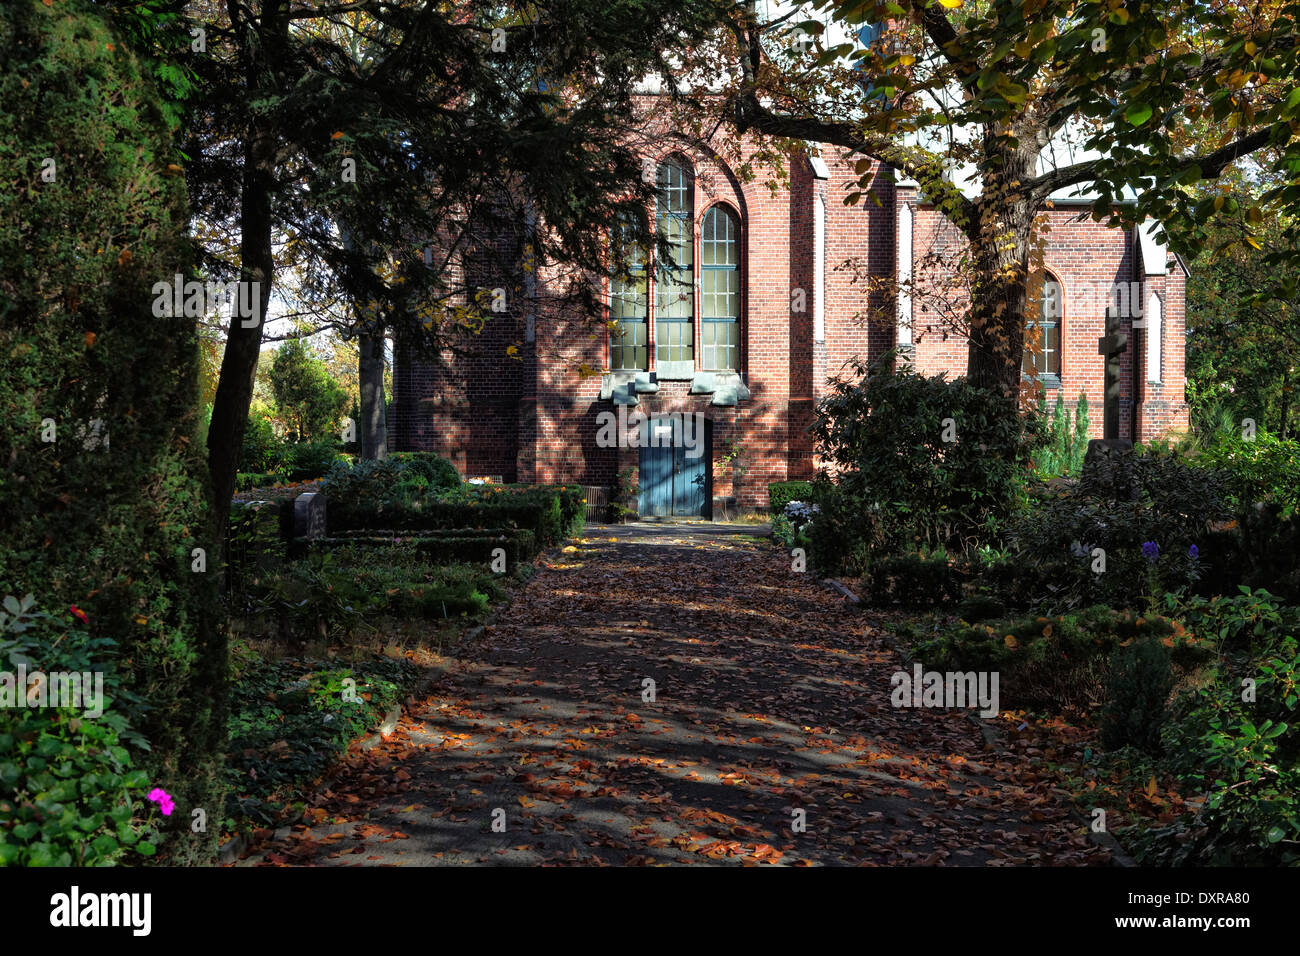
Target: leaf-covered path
[{"x": 770, "y": 697}]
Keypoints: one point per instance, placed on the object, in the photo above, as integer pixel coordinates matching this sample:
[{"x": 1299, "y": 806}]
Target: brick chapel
[{"x": 770, "y": 298}]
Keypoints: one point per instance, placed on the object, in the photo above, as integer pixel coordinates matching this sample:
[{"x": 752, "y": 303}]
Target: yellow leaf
[
  {"x": 1151, "y": 786},
  {"x": 951, "y": 4},
  {"x": 1251, "y": 48}
]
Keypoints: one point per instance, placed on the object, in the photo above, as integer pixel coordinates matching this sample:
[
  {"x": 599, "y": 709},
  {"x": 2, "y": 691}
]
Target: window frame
[
  {"x": 638, "y": 273},
  {"x": 664, "y": 277},
  {"x": 1048, "y": 378},
  {"x": 724, "y": 212},
  {"x": 692, "y": 220}
]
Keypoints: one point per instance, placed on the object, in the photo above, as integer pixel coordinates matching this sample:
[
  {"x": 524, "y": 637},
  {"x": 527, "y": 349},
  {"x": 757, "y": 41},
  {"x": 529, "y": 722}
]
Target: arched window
[
  {"x": 674, "y": 280},
  {"x": 628, "y": 298},
  {"x": 720, "y": 289},
  {"x": 1044, "y": 361},
  {"x": 656, "y": 276}
]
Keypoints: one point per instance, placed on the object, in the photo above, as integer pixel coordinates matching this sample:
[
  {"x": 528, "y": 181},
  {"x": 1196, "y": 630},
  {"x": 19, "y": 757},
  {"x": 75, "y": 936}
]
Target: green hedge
[
  {"x": 913, "y": 580},
  {"x": 456, "y": 548},
  {"x": 552, "y": 513},
  {"x": 1059, "y": 663},
  {"x": 438, "y": 471},
  {"x": 781, "y": 493},
  {"x": 110, "y": 527},
  {"x": 396, "y": 481}
]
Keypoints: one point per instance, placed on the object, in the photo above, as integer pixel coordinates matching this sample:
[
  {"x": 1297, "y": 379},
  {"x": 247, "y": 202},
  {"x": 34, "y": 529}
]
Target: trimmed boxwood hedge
[
  {"x": 520, "y": 546},
  {"x": 551, "y": 512},
  {"x": 781, "y": 493}
]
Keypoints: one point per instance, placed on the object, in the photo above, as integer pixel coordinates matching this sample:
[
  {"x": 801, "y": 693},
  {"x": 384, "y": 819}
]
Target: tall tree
[{"x": 947, "y": 84}]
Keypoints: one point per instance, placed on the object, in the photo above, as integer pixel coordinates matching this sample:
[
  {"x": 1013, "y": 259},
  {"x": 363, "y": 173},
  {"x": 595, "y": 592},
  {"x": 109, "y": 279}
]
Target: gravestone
[
  {"x": 309, "y": 516},
  {"x": 1111, "y": 346}
]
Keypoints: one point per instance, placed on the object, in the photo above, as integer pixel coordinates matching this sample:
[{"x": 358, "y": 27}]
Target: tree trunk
[
  {"x": 374, "y": 416},
  {"x": 257, "y": 268},
  {"x": 1286, "y": 403},
  {"x": 1001, "y": 256}
]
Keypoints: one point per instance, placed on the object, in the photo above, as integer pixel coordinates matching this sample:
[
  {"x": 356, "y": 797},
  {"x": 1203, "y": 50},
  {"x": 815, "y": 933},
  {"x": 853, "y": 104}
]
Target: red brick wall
[{"x": 534, "y": 417}]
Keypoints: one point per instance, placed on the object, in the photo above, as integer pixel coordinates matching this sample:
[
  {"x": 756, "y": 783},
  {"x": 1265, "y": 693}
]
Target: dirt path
[{"x": 770, "y": 739}]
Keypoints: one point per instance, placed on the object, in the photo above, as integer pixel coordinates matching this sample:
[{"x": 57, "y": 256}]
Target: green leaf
[
  {"x": 146, "y": 848},
  {"x": 1137, "y": 113}
]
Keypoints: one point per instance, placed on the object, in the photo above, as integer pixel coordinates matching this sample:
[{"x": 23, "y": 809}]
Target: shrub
[
  {"x": 920, "y": 461},
  {"x": 1054, "y": 562},
  {"x": 331, "y": 592},
  {"x": 1136, "y": 696},
  {"x": 261, "y": 451},
  {"x": 551, "y": 512},
  {"x": 72, "y": 794},
  {"x": 289, "y": 721},
  {"x": 781, "y": 493},
  {"x": 1262, "y": 469},
  {"x": 623, "y": 494},
  {"x": 399, "y": 479},
  {"x": 1246, "y": 756},
  {"x": 310, "y": 460},
  {"x": 1067, "y": 441},
  {"x": 107, "y": 523},
  {"x": 456, "y": 547},
  {"x": 437, "y": 472},
  {"x": 1059, "y": 663},
  {"x": 1261, "y": 549},
  {"x": 845, "y": 534},
  {"x": 1251, "y": 621},
  {"x": 247, "y": 481},
  {"x": 915, "y": 580},
  {"x": 980, "y": 607},
  {"x": 258, "y": 532}
]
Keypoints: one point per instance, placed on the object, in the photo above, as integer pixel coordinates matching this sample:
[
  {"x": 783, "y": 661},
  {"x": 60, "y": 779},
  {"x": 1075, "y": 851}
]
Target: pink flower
[{"x": 160, "y": 797}]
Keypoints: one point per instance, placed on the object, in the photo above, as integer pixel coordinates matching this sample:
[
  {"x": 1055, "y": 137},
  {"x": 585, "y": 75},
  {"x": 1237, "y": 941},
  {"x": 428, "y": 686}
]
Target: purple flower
[
  {"x": 1150, "y": 551},
  {"x": 1193, "y": 552}
]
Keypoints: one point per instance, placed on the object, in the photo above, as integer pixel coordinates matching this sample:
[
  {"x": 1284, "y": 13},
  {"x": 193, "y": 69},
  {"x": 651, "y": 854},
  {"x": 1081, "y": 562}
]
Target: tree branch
[{"x": 1211, "y": 166}]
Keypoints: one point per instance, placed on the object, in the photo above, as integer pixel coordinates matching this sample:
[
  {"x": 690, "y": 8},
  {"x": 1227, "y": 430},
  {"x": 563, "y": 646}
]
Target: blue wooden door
[{"x": 673, "y": 482}]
